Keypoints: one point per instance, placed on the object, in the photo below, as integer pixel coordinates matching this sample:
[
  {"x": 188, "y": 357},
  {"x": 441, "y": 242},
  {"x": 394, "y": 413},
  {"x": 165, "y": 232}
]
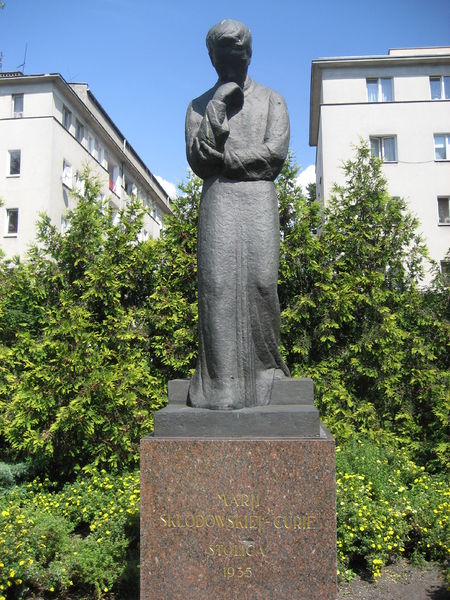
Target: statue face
[{"x": 231, "y": 62}]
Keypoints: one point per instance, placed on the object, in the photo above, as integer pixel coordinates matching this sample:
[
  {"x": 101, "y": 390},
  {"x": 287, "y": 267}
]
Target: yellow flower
[{"x": 52, "y": 589}]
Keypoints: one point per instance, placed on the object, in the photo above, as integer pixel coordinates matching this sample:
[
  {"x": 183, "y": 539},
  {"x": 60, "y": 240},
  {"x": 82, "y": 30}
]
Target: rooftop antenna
[
  {"x": 1, "y": 61},
  {"x": 24, "y": 59}
]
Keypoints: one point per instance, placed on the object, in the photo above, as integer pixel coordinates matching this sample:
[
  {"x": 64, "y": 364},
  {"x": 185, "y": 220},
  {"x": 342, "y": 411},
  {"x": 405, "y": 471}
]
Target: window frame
[
  {"x": 379, "y": 84},
  {"x": 66, "y": 118},
  {"x": 10, "y": 162},
  {"x": 446, "y": 137},
  {"x": 90, "y": 145},
  {"x": 381, "y": 154},
  {"x": 445, "y": 271},
  {"x": 7, "y": 232},
  {"x": 79, "y": 130},
  {"x": 442, "y": 87},
  {"x": 67, "y": 174},
  {"x": 17, "y": 114},
  {"x": 446, "y": 221}
]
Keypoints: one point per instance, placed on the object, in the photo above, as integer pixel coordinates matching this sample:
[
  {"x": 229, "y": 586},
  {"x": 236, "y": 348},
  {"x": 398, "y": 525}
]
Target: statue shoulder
[{"x": 268, "y": 93}]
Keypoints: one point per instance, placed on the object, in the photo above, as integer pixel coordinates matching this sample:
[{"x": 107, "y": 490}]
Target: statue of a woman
[{"x": 237, "y": 137}]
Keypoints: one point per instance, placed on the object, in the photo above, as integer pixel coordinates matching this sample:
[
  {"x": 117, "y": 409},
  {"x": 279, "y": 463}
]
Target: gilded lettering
[
  {"x": 255, "y": 522},
  {"x": 311, "y": 520},
  {"x": 220, "y": 521},
  {"x": 171, "y": 521},
  {"x": 236, "y": 550},
  {"x": 238, "y": 523},
  {"x": 251, "y": 501},
  {"x": 199, "y": 521},
  {"x": 179, "y": 524},
  {"x": 223, "y": 499},
  {"x": 188, "y": 523},
  {"x": 163, "y": 520}
]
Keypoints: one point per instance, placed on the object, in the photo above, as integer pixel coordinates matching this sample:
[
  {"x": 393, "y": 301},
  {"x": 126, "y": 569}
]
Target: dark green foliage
[
  {"x": 95, "y": 323},
  {"x": 76, "y": 387},
  {"x": 172, "y": 307},
  {"x": 11, "y": 474},
  {"x": 354, "y": 317}
]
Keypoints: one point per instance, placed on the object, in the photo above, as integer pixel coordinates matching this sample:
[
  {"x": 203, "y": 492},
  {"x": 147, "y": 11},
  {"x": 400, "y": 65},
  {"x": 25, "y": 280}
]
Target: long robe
[{"x": 238, "y": 245}]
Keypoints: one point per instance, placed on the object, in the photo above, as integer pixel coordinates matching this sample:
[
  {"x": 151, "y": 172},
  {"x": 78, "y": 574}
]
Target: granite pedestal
[{"x": 249, "y": 516}]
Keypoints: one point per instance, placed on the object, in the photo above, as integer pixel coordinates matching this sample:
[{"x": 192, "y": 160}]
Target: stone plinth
[
  {"x": 247, "y": 518},
  {"x": 291, "y": 413}
]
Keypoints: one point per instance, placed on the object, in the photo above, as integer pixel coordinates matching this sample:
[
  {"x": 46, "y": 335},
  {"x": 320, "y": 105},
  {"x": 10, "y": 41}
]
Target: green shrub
[
  {"x": 387, "y": 507},
  {"x": 12, "y": 473},
  {"x": 77, "y": 387},
  {"x": 75, "y": 542},
  {"x": 355, "y": 317}
]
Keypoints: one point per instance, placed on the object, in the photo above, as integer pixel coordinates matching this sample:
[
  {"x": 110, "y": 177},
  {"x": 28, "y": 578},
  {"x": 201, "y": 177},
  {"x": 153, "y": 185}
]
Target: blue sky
[{"x": 146, "y": 59}]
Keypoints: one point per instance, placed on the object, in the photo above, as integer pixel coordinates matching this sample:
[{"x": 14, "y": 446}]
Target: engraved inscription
[
  {"x": 236, "y": 550},
  {"x": 229, "y": 572},
  {"x": 238, "y": 512}
]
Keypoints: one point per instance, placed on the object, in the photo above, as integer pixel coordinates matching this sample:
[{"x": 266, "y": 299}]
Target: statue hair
[{"x": 232, "y": 30}]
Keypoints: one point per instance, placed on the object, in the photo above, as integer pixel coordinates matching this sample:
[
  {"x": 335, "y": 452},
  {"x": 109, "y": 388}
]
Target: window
[
  {"x": 91, "y": 144},
  {"x": 12, "y": 221},
  {"x": 131, "y": 188},
  {"x": 14, "y": 162},
  {"x": 443, "y": 210},
  {"x": 379, "y": 89},
  {"x": 79, "y": 183},
  {"x": 442, "y": 146},
  {"x": 440, "y": 88},
  {"x": 100, "y": 152},
  {"x": 17, "y": 101},
  {"x": 384, "y": 148},
  {"x": 66, "y": 118},
  {"x": 79, "y": 130},
  {"x": 113, "y": 171},
  {"x": 67, "y": 174},
  {"x": 65, "y": 225}
]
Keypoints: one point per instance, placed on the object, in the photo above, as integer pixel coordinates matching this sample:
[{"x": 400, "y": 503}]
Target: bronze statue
[{"x": 237, "y": 137}]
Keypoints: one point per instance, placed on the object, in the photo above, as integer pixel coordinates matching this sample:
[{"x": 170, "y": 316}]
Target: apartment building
[
  {"x": 49, "y": 131},
  {"x": 400, "y": 104}
]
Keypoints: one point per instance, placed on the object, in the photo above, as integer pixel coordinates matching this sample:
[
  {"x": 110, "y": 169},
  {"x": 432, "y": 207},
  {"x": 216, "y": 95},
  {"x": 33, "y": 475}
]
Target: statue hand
[
  {"x": 231, "y": 94},
  {"x": 209, "y": 154}
]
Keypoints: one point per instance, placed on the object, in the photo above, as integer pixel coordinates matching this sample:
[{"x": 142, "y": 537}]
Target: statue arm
[
  {"x": 262, "y": 160},
  {"x": 206, "y": 137}
]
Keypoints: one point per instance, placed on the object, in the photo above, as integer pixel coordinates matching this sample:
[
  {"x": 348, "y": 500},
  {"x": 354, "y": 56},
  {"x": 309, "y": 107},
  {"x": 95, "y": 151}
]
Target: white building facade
[
  {"x": 400, "y": 105},
  {"x": 50, "y": 131}
]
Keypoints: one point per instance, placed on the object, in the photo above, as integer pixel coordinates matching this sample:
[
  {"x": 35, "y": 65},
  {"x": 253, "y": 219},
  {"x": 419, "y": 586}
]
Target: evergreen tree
[{"x": 76, "y": 385}]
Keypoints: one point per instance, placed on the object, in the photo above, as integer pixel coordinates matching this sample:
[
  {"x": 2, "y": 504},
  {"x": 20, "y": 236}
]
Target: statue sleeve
[
  {"x": 206, "y": 137},
  {"x": 264, "y": 160}
]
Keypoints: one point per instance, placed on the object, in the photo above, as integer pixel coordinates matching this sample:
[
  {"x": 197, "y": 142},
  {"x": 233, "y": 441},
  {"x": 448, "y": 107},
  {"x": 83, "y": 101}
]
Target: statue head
[{"x": 229, "y": 46}]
